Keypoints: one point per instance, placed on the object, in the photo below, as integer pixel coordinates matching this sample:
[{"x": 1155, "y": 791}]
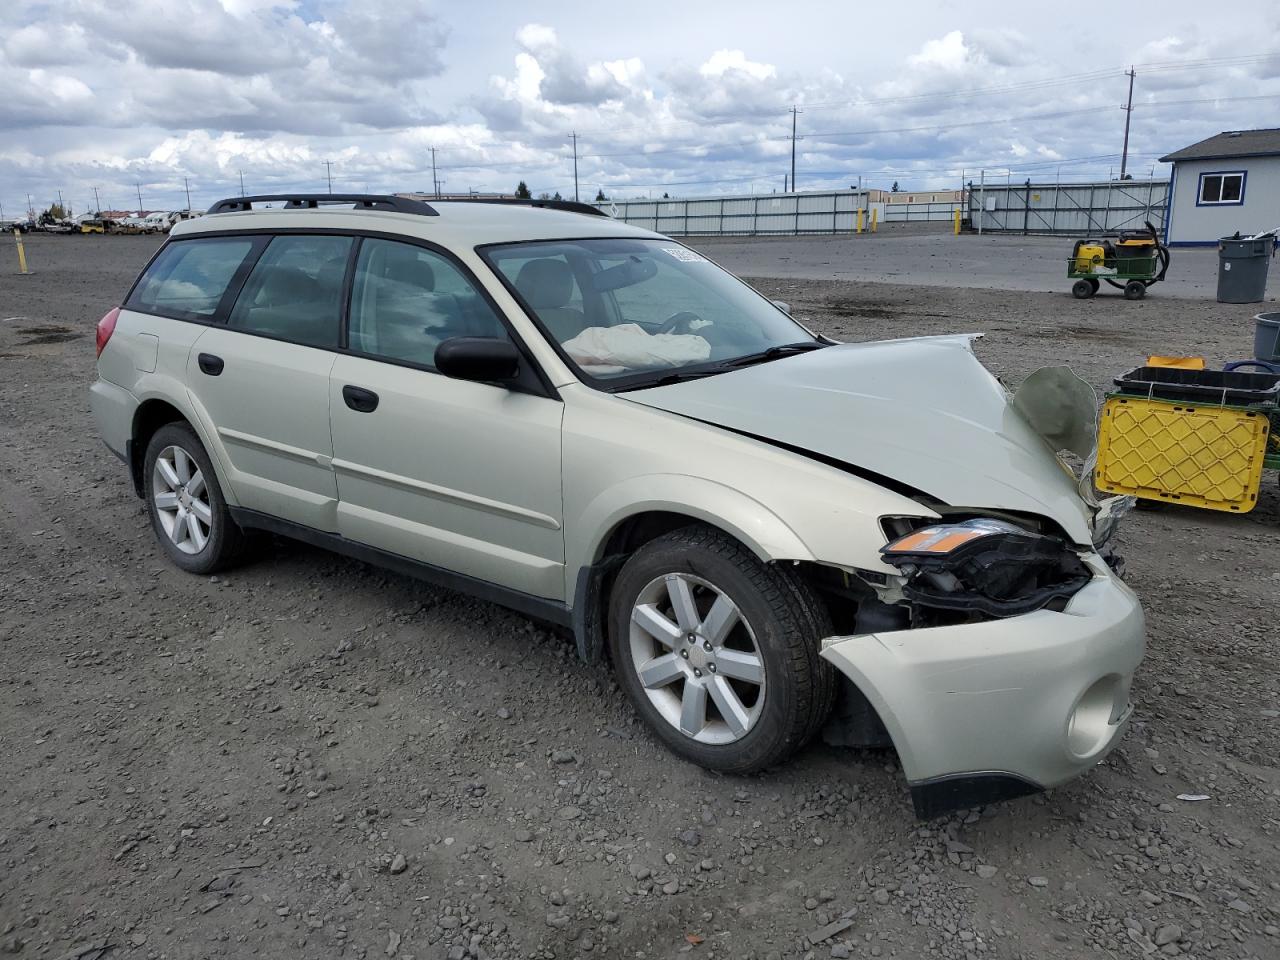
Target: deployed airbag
[{"x": 628, "y": 346}]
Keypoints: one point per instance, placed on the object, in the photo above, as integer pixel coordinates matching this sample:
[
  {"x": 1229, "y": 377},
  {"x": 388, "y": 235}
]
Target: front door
[{"x": 461, "y": 475}]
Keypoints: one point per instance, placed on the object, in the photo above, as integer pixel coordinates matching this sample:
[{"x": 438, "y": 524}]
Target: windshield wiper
[
  {"x": 774, "y": 353},
  {"x": 678, "y": 376}
]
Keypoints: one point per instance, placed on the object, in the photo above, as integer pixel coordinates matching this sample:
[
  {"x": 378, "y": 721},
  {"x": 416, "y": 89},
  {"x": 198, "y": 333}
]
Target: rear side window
[
  {"x": 189, "y": 277},
  {"x": 295, "y": 291}
]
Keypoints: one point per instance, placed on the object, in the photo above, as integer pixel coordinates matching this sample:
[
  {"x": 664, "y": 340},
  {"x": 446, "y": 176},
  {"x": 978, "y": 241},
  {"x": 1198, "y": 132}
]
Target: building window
[{"x": 1217, "y": 189}]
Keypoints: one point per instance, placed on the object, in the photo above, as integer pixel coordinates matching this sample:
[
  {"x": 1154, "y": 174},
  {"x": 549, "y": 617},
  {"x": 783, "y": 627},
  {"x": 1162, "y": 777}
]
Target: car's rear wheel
[
  {"x": 188, "y": 512},
  {"x": 718, "y": 651}
]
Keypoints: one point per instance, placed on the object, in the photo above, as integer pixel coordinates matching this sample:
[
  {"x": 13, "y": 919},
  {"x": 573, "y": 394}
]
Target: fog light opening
[{"x": 1089, "y": 728}]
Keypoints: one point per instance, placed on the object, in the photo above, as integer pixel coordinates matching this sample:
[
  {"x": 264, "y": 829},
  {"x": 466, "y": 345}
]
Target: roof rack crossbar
[
  {"x": 313, "y": 201},
  {"x": 569, "y": 206}
]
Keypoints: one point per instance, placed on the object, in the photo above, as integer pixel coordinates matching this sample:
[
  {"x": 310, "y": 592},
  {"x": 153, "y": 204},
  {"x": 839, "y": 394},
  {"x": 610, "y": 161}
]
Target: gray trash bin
[
  {"x": 1266, "y": 337},
  {"x": 1242, "y": 269}
]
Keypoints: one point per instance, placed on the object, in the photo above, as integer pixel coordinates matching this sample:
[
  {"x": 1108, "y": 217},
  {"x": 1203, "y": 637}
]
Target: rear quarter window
[{"x": 189, "y": 277}]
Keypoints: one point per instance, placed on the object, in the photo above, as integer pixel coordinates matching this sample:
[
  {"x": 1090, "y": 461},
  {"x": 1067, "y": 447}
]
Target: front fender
[{"x": 751, "y": 522}]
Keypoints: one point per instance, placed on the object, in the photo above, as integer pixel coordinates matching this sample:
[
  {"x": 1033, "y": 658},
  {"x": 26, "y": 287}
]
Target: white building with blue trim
[{"x": 1227, "y": 184}]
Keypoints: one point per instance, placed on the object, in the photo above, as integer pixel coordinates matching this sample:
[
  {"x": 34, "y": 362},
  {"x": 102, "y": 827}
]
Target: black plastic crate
[{"x": 1201, "y": 386}]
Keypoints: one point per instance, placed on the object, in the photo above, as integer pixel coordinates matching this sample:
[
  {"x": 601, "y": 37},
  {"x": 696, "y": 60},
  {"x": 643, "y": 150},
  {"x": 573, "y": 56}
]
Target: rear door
[
  {"x": 262, "y": 378},
  {"x": 461, "y": 475}
]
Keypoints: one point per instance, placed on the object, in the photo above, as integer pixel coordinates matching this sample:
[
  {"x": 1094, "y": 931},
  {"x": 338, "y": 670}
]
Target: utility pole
[
  {"x": 242, "y": 183},
  {"x": 64, "y": 209},
  {"x": 574, "y": 137},
  {"x": 31, "y": 211},
  {"x": 794, "y": 110},
  {"x": 97, "y": 204},
  {"x": 186, "y": 184},
  {"x": 328, "y": 172},
  {"x": 139, "y": 187},
  {"x": 435, "y": 181},
  {"x": 1128, "y": 114}
]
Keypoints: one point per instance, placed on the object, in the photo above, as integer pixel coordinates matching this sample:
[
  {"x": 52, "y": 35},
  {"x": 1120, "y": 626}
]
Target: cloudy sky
[{"x": 690, "y": 98}]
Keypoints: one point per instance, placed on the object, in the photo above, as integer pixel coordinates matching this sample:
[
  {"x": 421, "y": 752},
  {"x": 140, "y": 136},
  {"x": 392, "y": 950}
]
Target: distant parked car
[
  {"x": 93, "y": 225},
  {"x": 158, "y": 222}
]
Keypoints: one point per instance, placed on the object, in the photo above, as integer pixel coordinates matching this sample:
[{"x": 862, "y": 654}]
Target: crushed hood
[{"x": 922, "y": 412}]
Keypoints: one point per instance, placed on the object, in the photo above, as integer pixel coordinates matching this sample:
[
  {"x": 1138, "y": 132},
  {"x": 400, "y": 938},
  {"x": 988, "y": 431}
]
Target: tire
[
  {"x": 774, "y": 636},
  {"x": 1135, "y": 290},
  {"x": 177, "y": 471},
  {"x": 1083, "y": 289}
]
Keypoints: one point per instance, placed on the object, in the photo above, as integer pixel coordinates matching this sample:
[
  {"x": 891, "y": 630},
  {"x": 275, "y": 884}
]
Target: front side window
[
  {"x": 406, "y": 300},
  {"x": 631, "y": 311},
  {"x": 295, "y": 291},
  {"x": 1221, "y": 188},
  {"x": 188, "y": 278}
]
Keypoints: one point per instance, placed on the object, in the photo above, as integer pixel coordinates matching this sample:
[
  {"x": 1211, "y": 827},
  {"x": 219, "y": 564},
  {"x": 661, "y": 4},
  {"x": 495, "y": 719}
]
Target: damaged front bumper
[{"x": 983, "y": 711}]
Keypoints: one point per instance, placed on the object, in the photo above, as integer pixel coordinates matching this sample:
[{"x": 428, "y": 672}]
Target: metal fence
[
  {"x": 746, "y": 216},
  {"x": 921, "y": 212},
  {"x": 1076, "y": 208}
]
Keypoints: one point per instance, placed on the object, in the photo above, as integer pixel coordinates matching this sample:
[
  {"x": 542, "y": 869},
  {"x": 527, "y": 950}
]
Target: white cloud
[
  {"x": 735, "y": 61},
  {"x": 104, "y": 93}
]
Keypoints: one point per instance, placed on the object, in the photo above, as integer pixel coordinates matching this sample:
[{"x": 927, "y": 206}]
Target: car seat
[{"x": 547, "y": 286}]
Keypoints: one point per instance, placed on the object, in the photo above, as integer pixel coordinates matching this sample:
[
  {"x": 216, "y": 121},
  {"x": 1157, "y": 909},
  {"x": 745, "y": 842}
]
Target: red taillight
[{"x": 106, "y": 327}]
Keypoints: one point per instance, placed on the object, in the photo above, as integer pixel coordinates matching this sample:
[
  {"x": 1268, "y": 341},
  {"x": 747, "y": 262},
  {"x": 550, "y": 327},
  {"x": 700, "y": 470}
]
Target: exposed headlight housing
[{"x": 986, "y": 566}]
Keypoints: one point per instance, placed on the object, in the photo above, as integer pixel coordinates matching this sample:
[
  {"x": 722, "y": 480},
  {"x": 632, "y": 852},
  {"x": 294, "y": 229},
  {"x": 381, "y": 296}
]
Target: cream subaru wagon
[{"x": 768, "y": 533}]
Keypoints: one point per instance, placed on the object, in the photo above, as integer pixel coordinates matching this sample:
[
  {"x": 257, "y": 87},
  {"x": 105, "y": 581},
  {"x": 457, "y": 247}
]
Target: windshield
[{"x": 629, "y": 312}]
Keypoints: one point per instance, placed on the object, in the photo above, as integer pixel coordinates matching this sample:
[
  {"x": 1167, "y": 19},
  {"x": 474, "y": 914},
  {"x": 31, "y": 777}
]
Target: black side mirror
[{"x": 486, "y": 359}]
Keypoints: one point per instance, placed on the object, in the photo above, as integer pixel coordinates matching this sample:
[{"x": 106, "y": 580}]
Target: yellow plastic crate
[{"x": 1178, "y": 452}]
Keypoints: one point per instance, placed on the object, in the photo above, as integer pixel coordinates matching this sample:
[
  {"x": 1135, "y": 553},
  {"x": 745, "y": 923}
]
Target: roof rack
[
  {"x": 312, "y": 201},
  {"x": 568, "y": 206}
]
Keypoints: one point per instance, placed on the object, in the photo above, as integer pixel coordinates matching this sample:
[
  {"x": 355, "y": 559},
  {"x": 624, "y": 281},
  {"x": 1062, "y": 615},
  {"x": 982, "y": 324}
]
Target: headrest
[
  {"x": 545, "y": 283},
  {"x": 403, "y": 264}
]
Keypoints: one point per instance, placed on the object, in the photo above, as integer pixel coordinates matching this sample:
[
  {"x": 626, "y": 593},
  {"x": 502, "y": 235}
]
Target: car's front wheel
[
  {"x": 188, "y": 513},
  {"x": 718, "y": 651}
]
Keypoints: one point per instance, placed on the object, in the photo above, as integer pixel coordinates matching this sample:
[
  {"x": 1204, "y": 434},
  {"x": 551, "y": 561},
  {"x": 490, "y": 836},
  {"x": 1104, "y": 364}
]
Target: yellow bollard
[
  {"x": 859, "y": 230},
  {"x": 875, "y": 215},
  {"x": 956, "y": 218},
  {"x": 22, "y": 254}
]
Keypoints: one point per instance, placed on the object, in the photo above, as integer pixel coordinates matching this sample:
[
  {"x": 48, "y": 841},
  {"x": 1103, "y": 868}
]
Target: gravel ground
[{"x": 309, "y": 757}]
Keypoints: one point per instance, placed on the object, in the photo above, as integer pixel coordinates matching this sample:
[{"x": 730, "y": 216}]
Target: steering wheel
[{"x": 679, "y": 322}]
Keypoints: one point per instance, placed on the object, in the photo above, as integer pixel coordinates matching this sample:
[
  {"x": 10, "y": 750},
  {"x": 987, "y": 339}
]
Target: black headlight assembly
[{"x": 987, "y": 567}]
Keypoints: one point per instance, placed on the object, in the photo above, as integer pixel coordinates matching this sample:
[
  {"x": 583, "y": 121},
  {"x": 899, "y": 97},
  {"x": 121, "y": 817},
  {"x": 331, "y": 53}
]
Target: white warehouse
[{"x": 1228, "y": 183}]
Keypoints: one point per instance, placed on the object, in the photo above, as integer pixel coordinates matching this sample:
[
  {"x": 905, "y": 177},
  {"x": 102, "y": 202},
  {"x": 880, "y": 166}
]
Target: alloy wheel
[
  {"x": 697, "y": 658},
  {"x": 181, "y": 499}
]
